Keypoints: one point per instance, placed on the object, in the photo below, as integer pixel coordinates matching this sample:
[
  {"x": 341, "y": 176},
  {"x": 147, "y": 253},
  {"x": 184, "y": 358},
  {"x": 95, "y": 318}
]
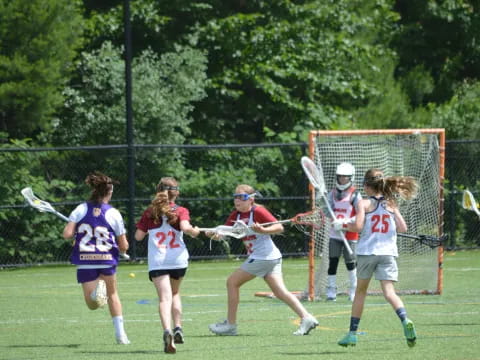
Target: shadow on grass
[{"x": 68, "y": 346}]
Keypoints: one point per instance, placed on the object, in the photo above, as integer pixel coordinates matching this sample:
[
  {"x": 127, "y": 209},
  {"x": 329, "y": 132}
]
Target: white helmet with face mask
[{"x": 345, "y": 169}]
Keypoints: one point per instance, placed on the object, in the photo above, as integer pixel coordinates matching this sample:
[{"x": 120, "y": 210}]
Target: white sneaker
[
  {"x": 123, "y": 340},
  {"x": 307, "y": 324},
  {"x": 331, "y": 293},
  {"x": 99, "y": 295},
  {"x": 223, "y": 328}
]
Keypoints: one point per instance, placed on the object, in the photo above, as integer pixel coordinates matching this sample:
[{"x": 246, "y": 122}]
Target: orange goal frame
[{"x": 441, "y": 142}]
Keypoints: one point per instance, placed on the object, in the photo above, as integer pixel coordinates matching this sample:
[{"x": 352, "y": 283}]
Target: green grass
[{"x": 43, "y": 316}]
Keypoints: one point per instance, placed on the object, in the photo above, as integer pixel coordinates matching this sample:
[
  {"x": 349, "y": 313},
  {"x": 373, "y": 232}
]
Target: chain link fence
[{"x": 207, "y": 175}]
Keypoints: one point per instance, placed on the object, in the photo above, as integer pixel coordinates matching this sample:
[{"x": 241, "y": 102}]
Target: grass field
[{"x": 43, "y": 317}]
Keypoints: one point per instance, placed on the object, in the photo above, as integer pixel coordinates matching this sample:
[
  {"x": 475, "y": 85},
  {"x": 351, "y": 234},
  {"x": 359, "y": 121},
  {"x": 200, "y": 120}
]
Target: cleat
[
  {"x": 307, "y": 324},
  {"x": 409, "y": 331},
  {"x": 348, "y": 340},
  {"x": 123, "y": 340},
  {"x": 178, "y": 335},
  {"x": 223, "y": 328},
  {"x": 331, "y": 293},
  {"x": 168, "y": 342},
  {"x": 99, "y": 295}
]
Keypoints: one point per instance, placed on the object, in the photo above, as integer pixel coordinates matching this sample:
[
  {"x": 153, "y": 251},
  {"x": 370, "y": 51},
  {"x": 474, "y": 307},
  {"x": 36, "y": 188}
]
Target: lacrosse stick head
[
  {"x": 433, "y": 241},
  {"x": 311, "y": 220},
  {"x": 35, "y": 202},
  {"x": 468, "y": 201},
  {"x": 314, "y": 174},
  {"x": 237, "y": 231}
]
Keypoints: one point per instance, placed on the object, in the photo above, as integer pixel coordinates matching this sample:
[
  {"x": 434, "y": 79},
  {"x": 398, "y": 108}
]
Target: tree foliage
[
  {"x": 38, "y": 43},
  {"x": 164, "y": 88}
]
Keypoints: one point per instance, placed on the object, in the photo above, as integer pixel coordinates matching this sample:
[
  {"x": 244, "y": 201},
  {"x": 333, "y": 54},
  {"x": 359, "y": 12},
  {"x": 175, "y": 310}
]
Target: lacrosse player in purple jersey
[
  {"x": 165, "y": 223},
  {"x": 264, "y": 261},
  {"x": 99, "y": 235}
]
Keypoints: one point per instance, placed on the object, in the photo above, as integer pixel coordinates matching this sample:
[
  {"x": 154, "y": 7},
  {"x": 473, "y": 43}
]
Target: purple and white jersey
[{"x": 97, "y": 227}]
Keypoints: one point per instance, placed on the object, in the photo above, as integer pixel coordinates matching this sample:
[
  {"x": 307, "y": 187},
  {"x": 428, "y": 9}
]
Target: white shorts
[
  {"x": 262, "y": 268},
  {"x": 384, "y": 266}
]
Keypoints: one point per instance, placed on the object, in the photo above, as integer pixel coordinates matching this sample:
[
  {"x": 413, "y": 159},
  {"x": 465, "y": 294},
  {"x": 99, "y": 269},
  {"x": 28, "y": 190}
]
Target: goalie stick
[
  {"x": 428, "y": 240},
  {"x": 469, "y": 202},
  {"x": 315, "y": 176},
  {"x": 44, "y": 206}
]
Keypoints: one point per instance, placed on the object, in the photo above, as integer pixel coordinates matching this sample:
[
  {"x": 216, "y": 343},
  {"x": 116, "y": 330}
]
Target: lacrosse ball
[{"x": 132, "y": 275}]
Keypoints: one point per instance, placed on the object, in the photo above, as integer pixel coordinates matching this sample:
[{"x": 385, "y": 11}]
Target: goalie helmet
[{"x": 345, "y": 169}]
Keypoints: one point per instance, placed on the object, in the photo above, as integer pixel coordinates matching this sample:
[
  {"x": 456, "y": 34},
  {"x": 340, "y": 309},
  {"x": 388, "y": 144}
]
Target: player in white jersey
[
  {"x": 264, "y": 260},
  {"x": 378, "y": 219},
  {"x": 165, "y": 223}
]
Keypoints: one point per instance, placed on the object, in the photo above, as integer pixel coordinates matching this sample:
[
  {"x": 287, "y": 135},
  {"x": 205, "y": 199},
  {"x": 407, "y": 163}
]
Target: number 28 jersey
[
  {"x": 166, "y": 248},
  {"x": 379, "y": 234},
  {"x": 97, "y": 227}
]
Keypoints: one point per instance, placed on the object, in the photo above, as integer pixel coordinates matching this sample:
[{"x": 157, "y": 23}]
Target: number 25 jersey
[{"x": 379, "y": 234}]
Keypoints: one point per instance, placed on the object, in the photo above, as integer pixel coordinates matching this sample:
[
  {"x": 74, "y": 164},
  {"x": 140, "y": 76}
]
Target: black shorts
[{"x": 173, "y": 273}]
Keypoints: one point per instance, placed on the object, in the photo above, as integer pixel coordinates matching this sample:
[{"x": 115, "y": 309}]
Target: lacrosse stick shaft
[
  {"x": 44, "y": 206},
  {"x": 315, "y": 176}
]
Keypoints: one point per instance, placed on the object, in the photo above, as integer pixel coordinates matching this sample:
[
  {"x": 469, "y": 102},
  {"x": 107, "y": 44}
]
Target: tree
[
  {"x": 442, "y": 37},
  {"x": 38, "y": 42}
]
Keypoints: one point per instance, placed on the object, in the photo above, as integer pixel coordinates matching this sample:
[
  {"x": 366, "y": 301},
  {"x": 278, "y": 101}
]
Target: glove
[{"x": 338, "y": 224}]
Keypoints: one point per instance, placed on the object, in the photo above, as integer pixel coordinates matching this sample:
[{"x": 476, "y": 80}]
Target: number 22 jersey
[{"x": 166, "y": 248}]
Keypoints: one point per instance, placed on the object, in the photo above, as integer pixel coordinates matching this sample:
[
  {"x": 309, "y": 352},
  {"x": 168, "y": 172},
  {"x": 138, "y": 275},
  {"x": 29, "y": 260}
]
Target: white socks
[{"x": 118, "y": 324}]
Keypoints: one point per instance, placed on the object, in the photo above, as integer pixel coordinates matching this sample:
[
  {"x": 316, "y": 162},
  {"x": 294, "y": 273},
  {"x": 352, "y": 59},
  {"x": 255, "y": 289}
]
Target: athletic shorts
[
  {"x": 173, "y": 273},
  {"x": 86, "y": 275},
  {"x": 383, "y": 266},
  {"x": 262, "y": 268},
  {"x": 336, "y": 248}
]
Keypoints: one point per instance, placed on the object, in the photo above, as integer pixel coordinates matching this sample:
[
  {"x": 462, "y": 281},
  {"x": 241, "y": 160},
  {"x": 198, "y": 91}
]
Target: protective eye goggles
[
  {"x": 164, "y": 187},
  {"x": 243, "y": 197}
]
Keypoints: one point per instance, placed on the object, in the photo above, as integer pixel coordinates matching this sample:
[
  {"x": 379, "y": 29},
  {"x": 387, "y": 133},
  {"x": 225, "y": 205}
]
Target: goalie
[{"x": 343, "y": 200}]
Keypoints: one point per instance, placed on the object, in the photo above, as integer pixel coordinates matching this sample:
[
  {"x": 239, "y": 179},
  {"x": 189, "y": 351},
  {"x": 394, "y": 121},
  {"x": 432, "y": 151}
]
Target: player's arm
[
  {"x": 269, "y": 229},
  {"x": 399, "y": 220},
  {"x": 69, "y": 230},
  {"x": 262, "y": 215},
  {"x": 122, "y": 243},
  {"x": 188, "y": 229},
  {"x": 357, "y": 225}
]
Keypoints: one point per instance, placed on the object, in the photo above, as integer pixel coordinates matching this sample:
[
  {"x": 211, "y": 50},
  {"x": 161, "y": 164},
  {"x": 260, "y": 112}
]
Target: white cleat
[
  {"x": 307, "y": 324},
  {"x": 99, "y": 295},
  {"x": 223, "y": 328}
]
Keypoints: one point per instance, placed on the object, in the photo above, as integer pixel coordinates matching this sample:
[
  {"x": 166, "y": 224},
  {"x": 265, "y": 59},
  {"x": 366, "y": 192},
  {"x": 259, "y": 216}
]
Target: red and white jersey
[
  {"x": 166, "y": 248},
  {"x": 343, "y": 206},
  {"x": 379, "y": 234},
  {"x": 258, "y": 246}
]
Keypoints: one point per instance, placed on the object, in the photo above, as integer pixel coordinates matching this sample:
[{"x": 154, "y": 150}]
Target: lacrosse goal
[{"x": 411, "y": 152}]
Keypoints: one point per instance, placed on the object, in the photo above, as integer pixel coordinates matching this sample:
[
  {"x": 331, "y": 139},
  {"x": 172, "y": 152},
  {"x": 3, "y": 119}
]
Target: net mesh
[{"x": 415, "y": 154}]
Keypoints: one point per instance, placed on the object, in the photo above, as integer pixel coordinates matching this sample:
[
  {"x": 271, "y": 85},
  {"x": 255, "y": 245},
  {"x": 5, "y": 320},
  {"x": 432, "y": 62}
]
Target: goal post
[{"x": 409, "y": 152}]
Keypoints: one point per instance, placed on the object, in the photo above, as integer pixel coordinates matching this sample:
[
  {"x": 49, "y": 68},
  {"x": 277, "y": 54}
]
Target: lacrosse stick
[
  {"x": 428, "y": 240},
  {"x": 239, "y": 230},
  {"x": 469, "y": 202},
  {"x": 44, "y": 206},
  {"x": 304, "y": 221},
  {"x": 315, "y": 176},
  {"x": 236, "y": 231}
]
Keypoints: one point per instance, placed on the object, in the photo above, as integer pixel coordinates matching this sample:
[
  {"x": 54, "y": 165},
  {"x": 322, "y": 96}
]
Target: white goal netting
[{"x": 418, "y": 153}]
